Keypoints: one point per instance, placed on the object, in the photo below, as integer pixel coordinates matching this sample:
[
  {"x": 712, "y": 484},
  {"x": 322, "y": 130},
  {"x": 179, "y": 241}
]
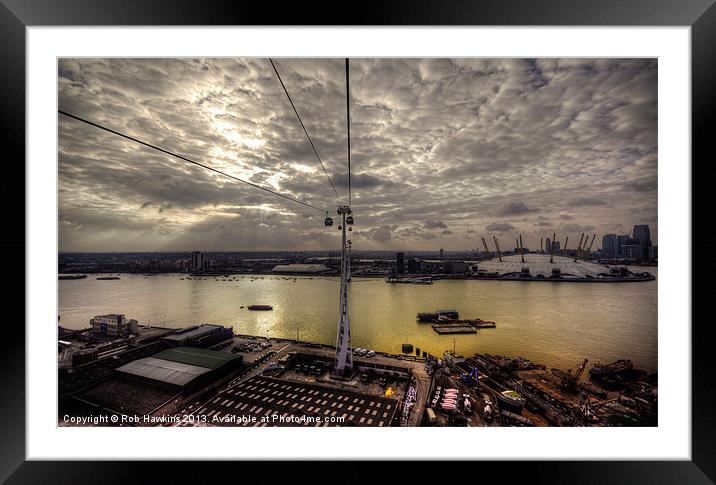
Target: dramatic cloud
[{"x": 443, "y": 151}]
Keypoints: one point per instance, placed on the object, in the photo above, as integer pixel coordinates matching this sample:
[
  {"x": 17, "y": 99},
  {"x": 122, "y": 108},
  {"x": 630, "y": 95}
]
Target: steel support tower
[{"x": 344, "y": 353}]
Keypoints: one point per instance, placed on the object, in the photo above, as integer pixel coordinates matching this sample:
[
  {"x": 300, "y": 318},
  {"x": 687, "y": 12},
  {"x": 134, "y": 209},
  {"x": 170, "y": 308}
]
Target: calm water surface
[{"x": 556, "y": 324}]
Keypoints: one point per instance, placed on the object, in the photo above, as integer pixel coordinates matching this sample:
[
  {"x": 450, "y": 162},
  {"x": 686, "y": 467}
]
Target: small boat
[
  {"x": 511, "y": 398},
  {"x": 108, "y": 277},
  {"x": 260, "y": 307}
]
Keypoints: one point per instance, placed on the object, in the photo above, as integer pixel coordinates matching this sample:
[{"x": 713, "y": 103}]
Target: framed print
[{"x": 431, "y": 235}]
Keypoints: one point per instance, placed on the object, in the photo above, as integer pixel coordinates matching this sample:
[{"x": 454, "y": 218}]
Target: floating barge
[
  {"x": 454, "y": 328},
  {"x": 263, "y": 308},
  {"x": 449, "y": 322}
]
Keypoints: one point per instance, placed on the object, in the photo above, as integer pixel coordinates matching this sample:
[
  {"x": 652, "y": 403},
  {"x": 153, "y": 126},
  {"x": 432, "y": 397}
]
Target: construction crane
[
  {"x": 484, "y": 245},
  {"x": 522, "y": 250},
  {"x": 567, "y": 379},
  {"x": 499, "y": 252},
  {"x": 473, "y": 376},
  {"x": 579, "y": 247},
  {"x": 551, "y": 248}
]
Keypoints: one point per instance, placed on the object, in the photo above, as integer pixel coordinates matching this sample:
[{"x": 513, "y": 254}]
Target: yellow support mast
[
  {"x": 579, "y": 247},
  {"x": 499, "y": 252}
]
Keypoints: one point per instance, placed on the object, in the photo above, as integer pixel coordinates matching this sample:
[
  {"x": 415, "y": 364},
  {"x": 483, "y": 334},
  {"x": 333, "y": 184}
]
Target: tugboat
[{"x": 260, "y": 307}]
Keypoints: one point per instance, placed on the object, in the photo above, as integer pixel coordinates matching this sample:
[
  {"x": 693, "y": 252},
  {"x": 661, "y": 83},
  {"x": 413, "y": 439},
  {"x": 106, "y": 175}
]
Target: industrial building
[
  {"x": 183, "y": 369},
  {"x": 199, "y": 336},
  {"x": 115, "y": 325}
]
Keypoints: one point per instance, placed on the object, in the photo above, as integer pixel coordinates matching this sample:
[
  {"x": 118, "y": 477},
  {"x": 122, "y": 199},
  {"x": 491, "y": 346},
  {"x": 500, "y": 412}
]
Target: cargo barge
[{"x": 260, "y": 307}]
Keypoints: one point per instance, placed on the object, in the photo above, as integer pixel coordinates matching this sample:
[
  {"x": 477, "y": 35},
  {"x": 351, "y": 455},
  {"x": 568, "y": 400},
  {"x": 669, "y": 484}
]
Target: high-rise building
[
  {"x": 400, "y": 263},
  {"x": 548, "y": 246},
  {"x": 555, "y": 247},
  {"x": 610, "y": 248},
  {"x": 642, "y": 234},
  {"x": 198, "y": 261},
  {"x": 441, "y": 253}
]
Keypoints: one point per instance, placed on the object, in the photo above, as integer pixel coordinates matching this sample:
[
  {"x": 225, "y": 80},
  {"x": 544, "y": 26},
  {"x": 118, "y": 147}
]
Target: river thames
[{"x": 556, "y": 324}]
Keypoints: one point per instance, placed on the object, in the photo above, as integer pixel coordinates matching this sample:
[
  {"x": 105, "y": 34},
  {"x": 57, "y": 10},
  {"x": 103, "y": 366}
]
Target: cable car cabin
[
  {"x": 349, "y": 220},
  {"x": 328, "y": 221},
  {"x": 350, "y": 228}
]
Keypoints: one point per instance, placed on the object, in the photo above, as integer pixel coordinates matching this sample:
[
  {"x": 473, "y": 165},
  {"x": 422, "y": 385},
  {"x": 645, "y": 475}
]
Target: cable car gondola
[
  {"x": 328, "y": 222},
  {"x": 349, "y": 220}
]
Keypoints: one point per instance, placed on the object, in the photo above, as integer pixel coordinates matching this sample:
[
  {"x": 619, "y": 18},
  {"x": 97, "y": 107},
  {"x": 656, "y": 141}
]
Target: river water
[{"x": 556, "y": 324}]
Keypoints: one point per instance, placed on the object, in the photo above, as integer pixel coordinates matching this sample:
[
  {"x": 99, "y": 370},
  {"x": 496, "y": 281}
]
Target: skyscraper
[
  {"x": 198, "y": 263},
  {"x": 642, "y": 234},
  {"x": 610, "y": 248},
  {"x": 400, "y": 263},
  {"x": 548, "y": 246}
]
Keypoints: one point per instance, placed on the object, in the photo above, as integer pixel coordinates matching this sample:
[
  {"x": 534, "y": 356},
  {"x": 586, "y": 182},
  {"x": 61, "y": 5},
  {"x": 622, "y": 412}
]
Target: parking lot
[{"x": 267, "y": 401}]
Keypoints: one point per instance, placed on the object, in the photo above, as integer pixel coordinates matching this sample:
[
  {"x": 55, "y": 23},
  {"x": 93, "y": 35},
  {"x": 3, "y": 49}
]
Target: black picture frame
[{"x": 700, "y": 15}]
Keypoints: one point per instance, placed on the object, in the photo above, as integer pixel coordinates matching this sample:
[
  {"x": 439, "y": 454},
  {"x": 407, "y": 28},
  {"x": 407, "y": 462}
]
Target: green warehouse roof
[{"x": 211, "y": 359}]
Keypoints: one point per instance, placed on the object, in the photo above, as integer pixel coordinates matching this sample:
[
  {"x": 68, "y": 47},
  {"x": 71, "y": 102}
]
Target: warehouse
[
  {"x": 183, "y": 369},
  {"x": 199, "y": 335}
]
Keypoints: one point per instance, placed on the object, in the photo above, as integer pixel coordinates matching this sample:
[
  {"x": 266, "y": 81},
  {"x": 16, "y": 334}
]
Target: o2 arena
[{"x": 545, "y": 267}]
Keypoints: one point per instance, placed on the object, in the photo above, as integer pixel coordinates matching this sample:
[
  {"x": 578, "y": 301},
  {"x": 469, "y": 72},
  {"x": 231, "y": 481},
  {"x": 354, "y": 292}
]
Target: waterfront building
[
  {"x": 115, "y": 325},
  {"x": 455, "y": 267},
  {"x": 609, "y": 246},
  {"x": 198, "y": 261},
  {"x": 400, "y": 263},
  {"x": 642, "y": 234},
  {"x": 414, "y": 266}
]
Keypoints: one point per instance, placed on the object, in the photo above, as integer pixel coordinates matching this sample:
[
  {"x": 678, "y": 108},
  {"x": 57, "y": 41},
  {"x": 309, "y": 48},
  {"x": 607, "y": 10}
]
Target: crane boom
[
  {"x": 565, "y": 246},
  {"x": 580, "y": 370},
  {"x": 522, "y": 250}
]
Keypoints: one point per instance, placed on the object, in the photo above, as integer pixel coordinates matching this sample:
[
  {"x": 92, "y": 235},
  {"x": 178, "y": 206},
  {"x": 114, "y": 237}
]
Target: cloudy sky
[{"x": 443, "y": 151}]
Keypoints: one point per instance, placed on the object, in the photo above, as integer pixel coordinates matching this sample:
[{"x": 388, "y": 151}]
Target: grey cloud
[
  {"x": 430, "y": 224},
  {"x": 579, "y": 201},
  {"x": 500, "y": 227},
  {"x": 514, "y": 208}
]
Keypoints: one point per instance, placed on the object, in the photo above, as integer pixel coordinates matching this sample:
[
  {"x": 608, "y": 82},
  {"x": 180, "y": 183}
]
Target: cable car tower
[{"x": 344, "y": 352}]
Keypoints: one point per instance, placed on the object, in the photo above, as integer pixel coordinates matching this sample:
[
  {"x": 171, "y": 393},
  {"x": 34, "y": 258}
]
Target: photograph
[{"x": 357, "y": 242}]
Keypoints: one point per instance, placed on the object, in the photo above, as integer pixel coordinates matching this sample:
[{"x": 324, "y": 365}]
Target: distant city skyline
[{"x": 444, "y": 151}]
